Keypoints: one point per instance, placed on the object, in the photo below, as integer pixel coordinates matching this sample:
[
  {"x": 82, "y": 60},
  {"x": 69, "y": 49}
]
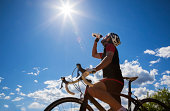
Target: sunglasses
[{"x": 105, "y": 39}]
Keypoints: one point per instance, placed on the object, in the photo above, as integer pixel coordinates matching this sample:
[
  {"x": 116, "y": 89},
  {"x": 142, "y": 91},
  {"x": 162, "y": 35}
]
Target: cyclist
[{"x": 112, "y": 77}]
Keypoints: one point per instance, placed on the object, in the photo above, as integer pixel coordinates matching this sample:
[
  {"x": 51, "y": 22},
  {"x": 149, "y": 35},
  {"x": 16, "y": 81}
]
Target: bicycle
[{"x": 83, "y": 105}]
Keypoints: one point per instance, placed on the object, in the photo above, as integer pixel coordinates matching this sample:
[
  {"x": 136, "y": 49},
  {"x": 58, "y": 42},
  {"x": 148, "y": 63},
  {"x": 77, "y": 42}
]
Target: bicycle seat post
[
  {"x": 130, "y": 80},
  {"x": 129, "y": 94}
]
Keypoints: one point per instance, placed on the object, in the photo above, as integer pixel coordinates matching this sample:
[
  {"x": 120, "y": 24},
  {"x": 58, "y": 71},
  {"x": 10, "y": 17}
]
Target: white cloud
[
  {"x": 163, "y": 52},
  {"x": 12, "y": 94},
  {"x": 6, "y": 106},
  {"x": 18, "y": 99},
  {"x": 36, "y": 105},
  {"x": 36, "y": 68},
  {"x": 52, "y": 92},
  {"x": 5, "y": 88},
  {"x": 160, "y": 52},
  {"x": 7, "y": 97},
  {"x": 166, "y": 72},
  {"x": 19, "y": 86},
  {"x": 1, "y": 79},
  {"x": 153, "y": 62},
  {"x": 157, "y": 85},
  {"x": 17, "y": 89},
  {"x": 18, "y": 105},
  {"x": 23, "y": 109},
  {"x": 23, "y": 71},
  {"x": 132, "y": 69},
  {"x": 22, "y": 94},
  {"x": 2, "y": 95},
  {"x": 30, "y": 73},
  {"x": 141, "y": 92},
  {"x": 36, "y": 71},
  {"x": 44, "y": 69},
  {"x": 52, "y": 83},
  {"x": 154, "y": 72},
  {"x": 165, "y": 80},
  {"x": 91, "y": 66},
  {"x": 149, "y": 52},
  {"x": 36, "y": 81},
  {"x": 47, "y": 95}
]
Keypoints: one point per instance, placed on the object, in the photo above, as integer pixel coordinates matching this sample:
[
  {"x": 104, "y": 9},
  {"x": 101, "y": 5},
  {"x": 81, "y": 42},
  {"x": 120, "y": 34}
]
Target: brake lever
[
  {"x": 61, "y": 85},
  {"x": 63, "y": 81},
  {"x": 62, "y": 78},
  {"x": 80, "y": 68}
]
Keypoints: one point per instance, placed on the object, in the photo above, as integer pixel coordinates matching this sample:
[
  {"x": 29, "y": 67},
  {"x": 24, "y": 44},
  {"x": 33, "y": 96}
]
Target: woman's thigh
[{"x": 100, "y": 85}]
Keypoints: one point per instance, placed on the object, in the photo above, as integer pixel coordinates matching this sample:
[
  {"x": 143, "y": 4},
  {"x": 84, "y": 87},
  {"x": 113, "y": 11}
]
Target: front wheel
[
  {"x": 150, "y": 104},
  {"x": 66, "y": 104}
]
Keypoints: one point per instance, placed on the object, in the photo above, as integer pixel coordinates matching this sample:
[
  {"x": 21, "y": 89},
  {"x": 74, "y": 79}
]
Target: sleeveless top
[{"x": 113, "y": 69}]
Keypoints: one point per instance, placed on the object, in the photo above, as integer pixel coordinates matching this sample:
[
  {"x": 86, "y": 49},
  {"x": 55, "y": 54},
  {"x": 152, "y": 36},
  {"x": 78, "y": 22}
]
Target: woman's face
[{"x": 105, "y": 40}]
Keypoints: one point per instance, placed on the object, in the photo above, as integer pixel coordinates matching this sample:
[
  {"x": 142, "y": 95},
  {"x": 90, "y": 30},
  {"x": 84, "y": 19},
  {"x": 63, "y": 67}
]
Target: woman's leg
[{"x": 99, "y": 91}]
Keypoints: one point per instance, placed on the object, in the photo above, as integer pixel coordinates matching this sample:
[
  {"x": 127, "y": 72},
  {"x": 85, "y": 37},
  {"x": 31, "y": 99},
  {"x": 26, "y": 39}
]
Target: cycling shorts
[{"x": 113, "y": 86}]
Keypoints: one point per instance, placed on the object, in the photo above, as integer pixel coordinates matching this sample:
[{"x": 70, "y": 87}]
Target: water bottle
[{"x": 97, "y": 35}]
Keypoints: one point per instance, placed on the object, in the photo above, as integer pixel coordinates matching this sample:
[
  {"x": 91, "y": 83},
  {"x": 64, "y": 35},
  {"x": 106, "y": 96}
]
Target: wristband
[{"x": 97, "y": 40}]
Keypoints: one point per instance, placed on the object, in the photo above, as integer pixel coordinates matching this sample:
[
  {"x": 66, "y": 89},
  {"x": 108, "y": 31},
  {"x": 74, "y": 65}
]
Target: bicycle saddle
[{"x": 130, "y": 78}]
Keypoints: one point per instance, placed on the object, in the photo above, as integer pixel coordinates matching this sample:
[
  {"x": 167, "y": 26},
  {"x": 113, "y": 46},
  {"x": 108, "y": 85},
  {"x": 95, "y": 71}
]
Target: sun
[
  {"x": 66, "y": 9},
  {"x": 66, "y": 14}
]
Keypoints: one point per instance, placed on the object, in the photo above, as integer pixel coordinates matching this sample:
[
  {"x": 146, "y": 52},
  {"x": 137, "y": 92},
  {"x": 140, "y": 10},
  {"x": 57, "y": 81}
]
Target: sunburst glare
[
  {"x": 66, "y": 9},
  {"x": 65, "y": 12}
]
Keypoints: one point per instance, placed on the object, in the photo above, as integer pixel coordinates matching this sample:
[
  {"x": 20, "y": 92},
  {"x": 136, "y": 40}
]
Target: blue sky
[{"x": 39, "y": 44}]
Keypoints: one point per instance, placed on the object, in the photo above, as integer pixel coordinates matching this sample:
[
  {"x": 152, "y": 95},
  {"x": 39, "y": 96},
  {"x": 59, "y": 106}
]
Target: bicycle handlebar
[{"x": 83, "y": 77}]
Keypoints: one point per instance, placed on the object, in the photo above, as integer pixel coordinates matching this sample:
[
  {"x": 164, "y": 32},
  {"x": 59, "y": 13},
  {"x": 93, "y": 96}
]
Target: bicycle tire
[
  {"x": 66, "y": 100},
  {"x": 150, "y": 104}
]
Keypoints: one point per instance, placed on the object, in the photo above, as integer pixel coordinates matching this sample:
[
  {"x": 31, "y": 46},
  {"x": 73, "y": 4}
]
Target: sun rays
[
  {"x": 64, "y": 14},
  {"x": 66, "y": 9}
]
